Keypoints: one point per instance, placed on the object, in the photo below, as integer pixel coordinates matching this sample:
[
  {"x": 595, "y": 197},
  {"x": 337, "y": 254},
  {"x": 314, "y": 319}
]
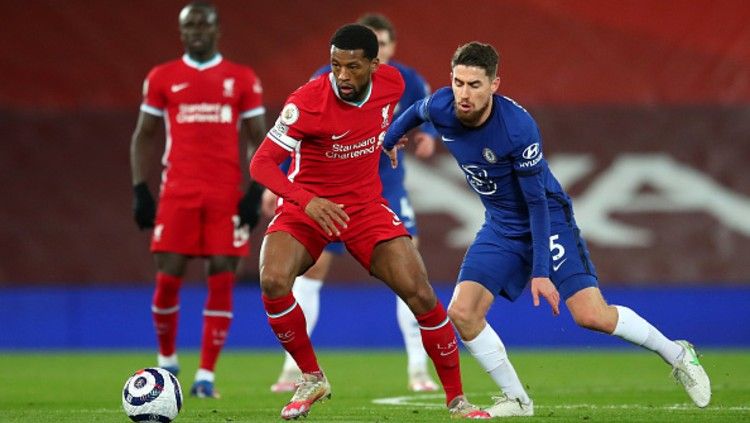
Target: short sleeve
[
  {"x": 154, "y": 98},
  {"x": 289, "y": 128},
  {"x": 251, "y": 98}
]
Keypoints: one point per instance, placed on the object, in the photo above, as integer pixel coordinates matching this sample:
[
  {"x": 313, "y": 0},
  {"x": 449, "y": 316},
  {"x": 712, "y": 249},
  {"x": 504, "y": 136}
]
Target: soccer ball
[{"x": 152, "y": 395}]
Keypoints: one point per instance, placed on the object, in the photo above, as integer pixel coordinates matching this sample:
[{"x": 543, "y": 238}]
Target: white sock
[
  {"x": 307, "y": 293},
  {"x": 415, "y": 353},
  {"x": 167, "y": 360},
  {"x": 634, "y": 328},
  {"x": 490, "y": 352},
  {"x": 203, "y": 374}
]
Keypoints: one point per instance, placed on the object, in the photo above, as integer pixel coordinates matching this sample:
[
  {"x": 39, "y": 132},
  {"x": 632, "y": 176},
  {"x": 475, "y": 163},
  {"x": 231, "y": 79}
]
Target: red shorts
[
  {"x": 199, "y": 222},
  {"x": 369, "y": 224}
]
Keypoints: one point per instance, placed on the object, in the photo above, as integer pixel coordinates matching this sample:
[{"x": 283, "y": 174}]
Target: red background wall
[{"x": 604, "y": 78}]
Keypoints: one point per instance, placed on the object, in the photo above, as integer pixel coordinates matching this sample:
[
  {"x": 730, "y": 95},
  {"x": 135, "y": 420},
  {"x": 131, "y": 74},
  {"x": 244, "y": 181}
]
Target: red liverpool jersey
[
  {"x": 335, "y": 144},
  {"x": 201, "y": 104}
]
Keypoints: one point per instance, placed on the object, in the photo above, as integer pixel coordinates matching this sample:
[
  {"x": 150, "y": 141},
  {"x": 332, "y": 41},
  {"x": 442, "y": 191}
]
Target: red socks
[
  {"x": 439, "y": 340},
  {"x": 288, "y": 323},
  {"x": 217, "y": 316},
  {"x": 165, "y": 309}
]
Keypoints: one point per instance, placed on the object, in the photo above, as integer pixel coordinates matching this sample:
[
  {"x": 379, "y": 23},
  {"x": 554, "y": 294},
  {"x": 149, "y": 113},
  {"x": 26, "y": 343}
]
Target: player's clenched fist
[{"x": 330, "y": 216}]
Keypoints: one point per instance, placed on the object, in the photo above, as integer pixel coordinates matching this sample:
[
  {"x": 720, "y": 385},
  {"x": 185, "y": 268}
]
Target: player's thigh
[
  {"x": 496, "y": 262},
  {"x": 222, "y": 235},
  {"x": 177, "y": 227},
  {"x": 571, "y": 268},
  {"x": 398, "y": 263},
  {"x": 398, "y": 201},
  {"x": 292, "y": 244}
]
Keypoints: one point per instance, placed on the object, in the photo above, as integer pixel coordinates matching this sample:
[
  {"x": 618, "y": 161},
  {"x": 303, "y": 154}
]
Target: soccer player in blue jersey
[
  {"x": 529, "y": 232},
  {"x": 307, "y": 287}
]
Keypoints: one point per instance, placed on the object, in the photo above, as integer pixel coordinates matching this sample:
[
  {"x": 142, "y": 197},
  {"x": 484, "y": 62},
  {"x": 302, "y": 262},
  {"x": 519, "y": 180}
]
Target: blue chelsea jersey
[
  {"x": 504, "y": 164},
  {"x": 415, "y": 89},
  {"x": 495, "y": 155}
]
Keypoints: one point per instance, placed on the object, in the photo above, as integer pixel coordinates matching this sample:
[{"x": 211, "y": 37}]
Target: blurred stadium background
[{"x": 644, "y": 107}]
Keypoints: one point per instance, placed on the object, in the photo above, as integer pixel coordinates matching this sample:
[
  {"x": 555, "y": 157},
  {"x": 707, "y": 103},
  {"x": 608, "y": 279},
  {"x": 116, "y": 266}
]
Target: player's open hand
[
  {"x": 545, "y": 288},
  {"x": 425, "y": 145},
  {"x": 329, "y": 215},
  {"x": 393, "y": 152}
]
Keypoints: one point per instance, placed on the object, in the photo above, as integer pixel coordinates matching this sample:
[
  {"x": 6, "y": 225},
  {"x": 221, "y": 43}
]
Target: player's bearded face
[
  {"x": 199, "y": 31},
  {"x": 352, "y": 72},
  {"x": 472, "y": 94}
]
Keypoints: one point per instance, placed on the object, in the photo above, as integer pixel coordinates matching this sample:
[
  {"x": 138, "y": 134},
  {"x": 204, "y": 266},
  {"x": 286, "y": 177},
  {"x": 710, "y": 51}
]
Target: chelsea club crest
[{"x": 489, "y": 155}]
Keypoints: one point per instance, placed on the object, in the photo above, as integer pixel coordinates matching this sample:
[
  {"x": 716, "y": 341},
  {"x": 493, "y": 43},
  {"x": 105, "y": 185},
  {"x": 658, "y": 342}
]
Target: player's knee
[
  {"x": 275, "y": 283},
  {"x": 219, "y": 264},
  {"x": 591, "y": 318},
  {"x": 463, "y": 317}
]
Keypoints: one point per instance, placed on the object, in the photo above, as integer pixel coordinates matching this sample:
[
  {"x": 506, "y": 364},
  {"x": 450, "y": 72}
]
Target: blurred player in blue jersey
[
  {"x": 529, "y": 232},
  {"x": 307, "y": 287}
]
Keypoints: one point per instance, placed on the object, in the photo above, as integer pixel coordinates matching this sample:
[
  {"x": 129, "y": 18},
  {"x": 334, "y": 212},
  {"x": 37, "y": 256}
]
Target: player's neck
[{"x": 202, "y": 57}]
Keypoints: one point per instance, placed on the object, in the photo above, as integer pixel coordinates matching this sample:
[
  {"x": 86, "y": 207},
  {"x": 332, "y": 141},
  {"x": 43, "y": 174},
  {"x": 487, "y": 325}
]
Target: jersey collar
[
  {"x": 336, "y": 91},
  {"x": 202, "y": 65}
]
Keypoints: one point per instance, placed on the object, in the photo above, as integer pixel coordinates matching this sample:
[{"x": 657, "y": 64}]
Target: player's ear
[
  {"x": 495, "y": 84},
  {"x": 374, "y": 63}
]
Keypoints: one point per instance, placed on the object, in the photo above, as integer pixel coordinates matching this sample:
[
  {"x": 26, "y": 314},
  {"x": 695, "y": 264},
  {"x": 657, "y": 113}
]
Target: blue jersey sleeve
[
  {"x": 413, "y": 116},
  {"x": 532, "y": 187},
  {"x": 529, "y": 166},
  {"x": 423, "y": 91}
]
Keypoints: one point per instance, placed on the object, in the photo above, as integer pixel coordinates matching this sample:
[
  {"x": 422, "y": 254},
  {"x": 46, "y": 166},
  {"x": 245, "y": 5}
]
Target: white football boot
[
  {"x": 689, "y": 372},
  {"x": 510, "y": 407}
]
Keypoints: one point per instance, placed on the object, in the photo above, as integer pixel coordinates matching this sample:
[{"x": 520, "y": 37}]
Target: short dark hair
[
  {"x": 477, "y": 54},
  {"x": 378, "y": 22},
  {"x": 356, "y": 37},
  {"x": 207, "y": 7}
]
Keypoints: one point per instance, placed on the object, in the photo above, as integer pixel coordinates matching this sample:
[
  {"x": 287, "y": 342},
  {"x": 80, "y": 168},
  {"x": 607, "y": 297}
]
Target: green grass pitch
[{"x": 370, "y": 386}]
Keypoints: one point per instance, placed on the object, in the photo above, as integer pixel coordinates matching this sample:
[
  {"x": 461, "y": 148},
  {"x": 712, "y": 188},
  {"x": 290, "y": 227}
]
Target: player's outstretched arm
[
  {"x": 545, "y": 288},
  {"x": 395, "y": 134}
]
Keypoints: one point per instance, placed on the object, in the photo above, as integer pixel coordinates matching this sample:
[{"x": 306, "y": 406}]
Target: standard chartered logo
[
  {"x": 352, "y": 151},
  {"x": 204, "y": 113}
]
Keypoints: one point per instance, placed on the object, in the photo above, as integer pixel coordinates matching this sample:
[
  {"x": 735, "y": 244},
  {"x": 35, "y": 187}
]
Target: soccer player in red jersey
[
  {"x": 202, "y": 99},
  {"x": 333, "y": 127}
]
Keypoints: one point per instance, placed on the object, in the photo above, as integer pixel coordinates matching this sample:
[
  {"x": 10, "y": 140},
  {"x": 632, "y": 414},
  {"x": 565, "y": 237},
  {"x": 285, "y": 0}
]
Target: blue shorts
[
  {"x": 398, "y": 201},
  {"x": 503, "y": 264}
]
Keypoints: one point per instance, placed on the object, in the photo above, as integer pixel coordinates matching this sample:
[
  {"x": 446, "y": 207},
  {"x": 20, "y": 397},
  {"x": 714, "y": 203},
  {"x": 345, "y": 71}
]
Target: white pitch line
[{"x": 417, "y": 401}]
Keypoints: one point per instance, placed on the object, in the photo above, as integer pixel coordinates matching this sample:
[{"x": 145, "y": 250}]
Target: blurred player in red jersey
[
  {"x": 333, "y": 127},
  {"x": 202, "y": 212}
]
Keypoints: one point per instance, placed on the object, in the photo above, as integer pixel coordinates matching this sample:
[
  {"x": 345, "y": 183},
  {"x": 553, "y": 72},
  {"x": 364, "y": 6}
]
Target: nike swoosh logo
[
  {"x": 446, "y": 139},
  {"x": 338, "y": 137},
  {"x": 396, "y": 222},
  {"x": 557, "y": 266},
  {"x": 179, "y": 87},
  {"x": 445, "y": 353}
]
